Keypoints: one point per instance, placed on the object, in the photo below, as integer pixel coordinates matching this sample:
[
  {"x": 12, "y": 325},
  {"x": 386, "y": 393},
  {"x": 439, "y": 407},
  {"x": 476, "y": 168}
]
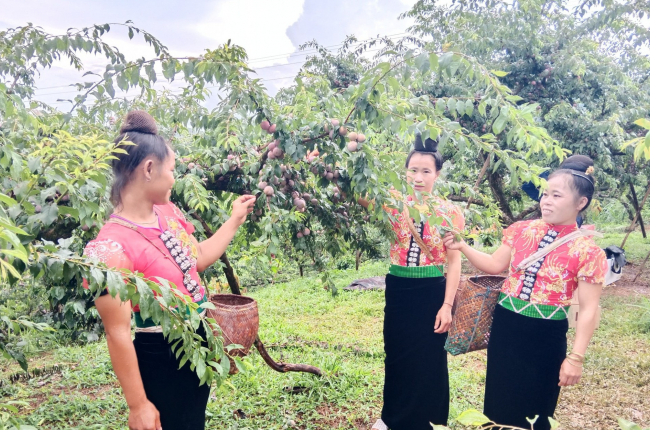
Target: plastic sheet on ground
[{"x": 367, "y": 284}]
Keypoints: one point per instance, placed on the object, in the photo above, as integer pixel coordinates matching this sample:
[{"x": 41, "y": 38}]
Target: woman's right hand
[
  {"x": 242, "y": 207},
  {"x": 144, "y": 417},
  {"x": 451, "y": 243}
]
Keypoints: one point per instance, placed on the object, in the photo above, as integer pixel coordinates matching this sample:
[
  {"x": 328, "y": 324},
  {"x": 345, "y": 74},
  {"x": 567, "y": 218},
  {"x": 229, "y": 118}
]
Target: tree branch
[
  {"x": 523, "y": 214},
  {"x": 638, "y": 212},
  {"x": 454, "y": 198},
  {"x": 486, "y": 164},
  {"x": 497, "y": 189},
  {"x": 234, "y": 287}
]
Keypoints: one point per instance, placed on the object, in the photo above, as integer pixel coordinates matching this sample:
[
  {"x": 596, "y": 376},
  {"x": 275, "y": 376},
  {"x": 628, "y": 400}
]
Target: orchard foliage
[
  {"x": 584, "y": 64},
  {"x": 307, "y": 153}
]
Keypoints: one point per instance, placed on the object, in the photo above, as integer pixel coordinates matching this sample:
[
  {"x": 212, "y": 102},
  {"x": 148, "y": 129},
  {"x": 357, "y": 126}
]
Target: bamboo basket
[
  {"x": 472, "y": 314},
  {"x": 239, "y": 320}
]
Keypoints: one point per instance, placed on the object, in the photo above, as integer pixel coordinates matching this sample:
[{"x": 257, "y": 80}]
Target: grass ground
[{"x": 302, "y": 323}]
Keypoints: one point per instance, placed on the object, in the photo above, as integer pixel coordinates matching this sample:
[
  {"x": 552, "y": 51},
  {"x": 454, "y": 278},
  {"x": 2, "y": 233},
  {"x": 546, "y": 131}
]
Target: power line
[
  {"x": 173, "y": 92},
  {"x": 160, "y": 74},
  {"x": 257, "y": 60}
]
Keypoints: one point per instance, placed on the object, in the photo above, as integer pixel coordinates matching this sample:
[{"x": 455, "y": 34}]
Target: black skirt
[
  {"x": 174, "y": 392},
  {"x": 523, "y": 368},
  {"x": 416, "y": 385}
]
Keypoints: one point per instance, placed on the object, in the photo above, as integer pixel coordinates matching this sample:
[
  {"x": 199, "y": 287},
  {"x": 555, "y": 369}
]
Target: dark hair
[
  {"x": 139, "y": 128},
  {"x": 429, "y": 146},
  {"x": 575, "y": 168}
]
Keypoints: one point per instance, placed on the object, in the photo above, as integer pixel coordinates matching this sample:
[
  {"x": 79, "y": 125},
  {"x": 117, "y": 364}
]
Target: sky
[{"x": 270, "y": 30}]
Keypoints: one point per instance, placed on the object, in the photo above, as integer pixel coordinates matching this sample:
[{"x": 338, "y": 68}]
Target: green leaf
[
  {"x": 481, "y": 108},
  {"x": 472, "y": 417},
  {"x": 50, "y": 214},
  {"x": 108, "y": 86},
  {"x": 67, "y": 210},
  {"x": 532, "y": 420},
  {"x": 499, "y": 73},
  {"x": 642, "y": 122},
  {"x": 451, "y": 105},
  {"x": 433, "y": 61},
  {"x": 33, "y": 164},
  {"x": 554, "y": 424},
  {"x": 79, "y": 306},
  {"x": 422, "y": 62},
  {"x": 200, "y": 368},
  {"x": 469, "y": 108},
  {"x": 499, "y": 124},
  {"x": 207, "y": 305},
  {"x": 460, "y": 107},
  {"x": 440, "y": 105},
  {"x": 7, "y": 200},
  {"x": 16, "y": 253},
  {"x": 627, "y": 425}
]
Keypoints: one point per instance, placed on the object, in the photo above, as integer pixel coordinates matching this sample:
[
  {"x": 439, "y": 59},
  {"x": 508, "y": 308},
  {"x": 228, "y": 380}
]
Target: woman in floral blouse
[
  {"x": 148, "y": 234},
  {"x": 527, "y": 354},
  {"x": 418, "y": 301}
]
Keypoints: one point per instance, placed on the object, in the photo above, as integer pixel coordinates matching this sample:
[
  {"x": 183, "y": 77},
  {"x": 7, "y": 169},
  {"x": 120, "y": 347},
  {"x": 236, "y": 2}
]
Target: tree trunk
[
  {"x": 638, "y": 274},
  {"x": 234, "y": 287},
  {"x": 230, "y": 275},
  {"x": 630, "y": 211},
  {"x": 228, "y": 270},
  {"x": 638, "y": 212},
  {"x": 528, "y": 211},
  {"x": 635, "y": 202},
  {"x": 358, "y": 258},
  {"x": 284, "y": 367},
  {"x": 300, "y": 267},
  {"x": 496, "y": 186},
  {"x": 467, "y": 200},
  {"x": 484, "y": 169}
]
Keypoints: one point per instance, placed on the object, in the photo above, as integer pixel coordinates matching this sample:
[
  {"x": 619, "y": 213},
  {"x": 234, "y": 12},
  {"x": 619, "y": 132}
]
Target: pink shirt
[
  {"x": 557, "y": 279},
  {"x": 123, "y": 246}
]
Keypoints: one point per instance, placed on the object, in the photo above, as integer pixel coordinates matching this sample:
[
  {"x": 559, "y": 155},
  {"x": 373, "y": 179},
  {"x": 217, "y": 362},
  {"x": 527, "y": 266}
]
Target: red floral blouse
[
  {"x": 577, "y": 260},
  {"x": 405, "y": 251},
  {"x": 123, "y": 246}
]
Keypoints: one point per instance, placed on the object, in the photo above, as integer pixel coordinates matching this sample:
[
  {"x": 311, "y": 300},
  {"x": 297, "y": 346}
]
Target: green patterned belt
[
  {"x": 416, "y": 271},
  {"x": 140, "y": 323},
  {"x": 522, "y": 307}
]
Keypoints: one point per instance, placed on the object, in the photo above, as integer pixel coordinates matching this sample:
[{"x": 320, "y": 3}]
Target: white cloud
[{"x": 260, "y": 26}]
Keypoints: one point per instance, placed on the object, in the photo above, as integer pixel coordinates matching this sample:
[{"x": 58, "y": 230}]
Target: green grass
[
  {"x": 636, "y": 247},
  {"x": 302, "y": 323}
]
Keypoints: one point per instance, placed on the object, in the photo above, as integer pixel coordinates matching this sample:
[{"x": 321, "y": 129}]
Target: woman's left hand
[
  {"x": 443, "y": 319},
  {"x": 569, "y": 374}
]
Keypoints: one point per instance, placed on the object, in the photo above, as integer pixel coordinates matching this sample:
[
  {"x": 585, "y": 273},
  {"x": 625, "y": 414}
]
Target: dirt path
[{"x": 626, "y": 287}]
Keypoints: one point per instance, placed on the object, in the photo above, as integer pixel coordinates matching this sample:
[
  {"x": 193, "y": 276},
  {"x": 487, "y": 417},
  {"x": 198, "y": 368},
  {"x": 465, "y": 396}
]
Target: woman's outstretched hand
[
  {"x": 242, "y": 207},
  {"x": 451, "y": 243}
]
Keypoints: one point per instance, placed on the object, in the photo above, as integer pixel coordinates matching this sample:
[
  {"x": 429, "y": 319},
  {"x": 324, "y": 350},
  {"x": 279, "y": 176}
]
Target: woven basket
[
  {"x": 472, "y": 316},
  {"x": 239, "y": 321}
]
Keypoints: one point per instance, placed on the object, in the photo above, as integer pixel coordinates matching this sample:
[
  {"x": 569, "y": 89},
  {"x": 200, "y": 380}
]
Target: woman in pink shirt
[{"x": 148, "y": 234}]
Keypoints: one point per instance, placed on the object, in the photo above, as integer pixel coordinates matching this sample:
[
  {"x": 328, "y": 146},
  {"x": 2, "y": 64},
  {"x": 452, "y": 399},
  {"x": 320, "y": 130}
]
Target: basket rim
[{"x": 248, "y": 301}]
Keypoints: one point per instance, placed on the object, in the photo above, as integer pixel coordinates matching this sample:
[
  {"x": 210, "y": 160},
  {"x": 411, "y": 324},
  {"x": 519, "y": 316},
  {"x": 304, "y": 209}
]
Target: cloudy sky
[{"x": 270, "y": 30}]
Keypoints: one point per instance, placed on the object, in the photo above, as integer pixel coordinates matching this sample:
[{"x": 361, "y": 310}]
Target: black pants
[
  {"x": 175, "y": 392},
  {"x": 416, "y": 387},
  {"x": 523, "y": 368}
]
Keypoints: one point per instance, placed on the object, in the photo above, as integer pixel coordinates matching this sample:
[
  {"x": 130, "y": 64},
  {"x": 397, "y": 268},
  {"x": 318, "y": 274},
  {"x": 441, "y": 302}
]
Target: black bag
[{"x": 615, "y": 260}]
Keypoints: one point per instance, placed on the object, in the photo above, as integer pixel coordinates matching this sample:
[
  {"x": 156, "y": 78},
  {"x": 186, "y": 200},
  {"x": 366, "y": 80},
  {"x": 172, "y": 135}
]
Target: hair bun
[
  {"x": 580, "y": 163},
  {"x": 429, "y": 145},
  {"x": 139, "y": 121}
]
